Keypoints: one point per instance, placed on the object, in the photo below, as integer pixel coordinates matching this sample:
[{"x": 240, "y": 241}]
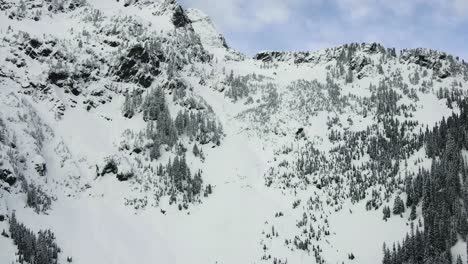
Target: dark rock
[
  {"x": 267, "y": 56},
  {"x": 138, "y": 52},
  {"x": 5, "y": 5},
  {"x": 75, "y": 91},
  {"x": 175, "y": 84},
  {"x": 359, "y": 63},
  {"x": 304, "y": 58},
  {"x": 111, "y": 167},
  {"x": 444, "y": 74},
  {"x": 128, "y": 3},
  {"x": 2, "y": 218},
  {"x": 137, "y": 150},
  {"x": 31, "y": 53},
  {"x": 179, "y": 18},
  {"x": 124, "y": 176},
  {"x": 134, "y": 66},
  {"x": 146, "y": 81},
  {"x": 127, "y": 69},
  {"x": 35, "y": 43},
  {"x": 7, "y": 176},
  {"x": 223, "y": 41},
  {"x": 300, "y": 133},
  {"x": 112, "y": 43},
  {"x": 263, "y": 57},
  {"x": 373, "y": 48},
  {"x": 41, "y": 169},
  {"x": 58, "y": 78},
  {"x": 423, "y": 61},
  {"x": 97, "y": 93},
  {"x": 45, "y": 52}
]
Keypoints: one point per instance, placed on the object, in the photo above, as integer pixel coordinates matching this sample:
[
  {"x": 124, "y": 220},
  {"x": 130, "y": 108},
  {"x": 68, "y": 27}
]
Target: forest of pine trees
[
  {"x": 37, "y": 199},
  {"x": 443, "y": 193},
  {"x": 182, "y": 181},
  {"x": 33, "y": 248},
  {"x": 162, "y": 129}
]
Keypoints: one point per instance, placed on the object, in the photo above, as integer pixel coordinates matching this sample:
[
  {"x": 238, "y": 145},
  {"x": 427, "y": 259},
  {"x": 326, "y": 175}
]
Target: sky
[{"x": 251, "y": 26}]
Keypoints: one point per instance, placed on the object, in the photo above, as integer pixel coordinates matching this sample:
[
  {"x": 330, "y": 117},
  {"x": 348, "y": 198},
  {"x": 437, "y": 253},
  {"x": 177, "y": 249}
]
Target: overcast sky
[{"x": 254, "y": 25}]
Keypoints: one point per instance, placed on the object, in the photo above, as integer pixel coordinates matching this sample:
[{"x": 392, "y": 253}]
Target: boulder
[
  {"x": 300, "y": 133},
  {"x": 125, "y": 176},
  {"x": 58, "y": 78},
  {"x": 7, "y": 176}
]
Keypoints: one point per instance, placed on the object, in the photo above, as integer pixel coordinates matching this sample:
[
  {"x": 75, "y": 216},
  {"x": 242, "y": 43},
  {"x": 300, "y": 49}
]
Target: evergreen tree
[
  {"x": 413, "y": 212},
  {"x": 398, "y": 206}
]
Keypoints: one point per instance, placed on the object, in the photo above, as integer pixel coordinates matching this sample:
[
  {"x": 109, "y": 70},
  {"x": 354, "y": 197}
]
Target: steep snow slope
[{"x": 286, "y": 142}]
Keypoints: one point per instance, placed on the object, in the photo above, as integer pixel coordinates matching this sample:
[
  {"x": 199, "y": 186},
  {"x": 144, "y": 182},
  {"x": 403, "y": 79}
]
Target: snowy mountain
[{"x": 131, "y": 132}]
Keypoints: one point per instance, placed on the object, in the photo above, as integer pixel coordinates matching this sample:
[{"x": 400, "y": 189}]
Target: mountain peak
[{"x": 205, "y": 28}]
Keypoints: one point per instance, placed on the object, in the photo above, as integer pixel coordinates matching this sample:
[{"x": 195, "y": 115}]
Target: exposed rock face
[
  {"x": 7, "y": 176},
  {"x": 267, "y": 56},
  {"x": 340, "y": 52},
  {"x": 139, "y": 66},
  {"x": 110, "y": 167},
  {"x": 179, "y": 18},
  {"x": 41, "y": 169},
  {"x": 124, "y": 176},
  {"x": 58, "y": 78},
  {"x": 203, "y": 25},
  {"x": 359, "y": 63},
  {"x": 442, "y": 64},
  {"x": 300, "y": 133},
  {"x": 5, "y": 5}
]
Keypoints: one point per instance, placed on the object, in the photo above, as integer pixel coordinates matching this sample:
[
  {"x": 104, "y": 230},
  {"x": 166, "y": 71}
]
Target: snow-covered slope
[{"x": 134, "y": 133}]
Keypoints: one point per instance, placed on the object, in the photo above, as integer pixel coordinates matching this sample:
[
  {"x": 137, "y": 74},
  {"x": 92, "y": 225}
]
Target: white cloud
[
  {"x": 317, "y": 24},
  {"x": 362, "y": 10},
  {"x": 272, "y": 14},
  {"x": 246, "y": 15},
  {"x": 461, "y": 7}
]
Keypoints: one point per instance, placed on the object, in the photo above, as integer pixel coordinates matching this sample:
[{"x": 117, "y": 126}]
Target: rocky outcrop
[
  {"x": 179, "y": 18},
  {"x": 443, "y": 65},
  {"x": 268, "y": 56},
  {"x": 358, "y": 63},
  {"x": 7, "y": 176},
  {"x": 41, "y": 168},
  {"x": 343, "y": 53},
  {"x": 140, "y": 65},
  {"x": 124, "y": 176}
]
